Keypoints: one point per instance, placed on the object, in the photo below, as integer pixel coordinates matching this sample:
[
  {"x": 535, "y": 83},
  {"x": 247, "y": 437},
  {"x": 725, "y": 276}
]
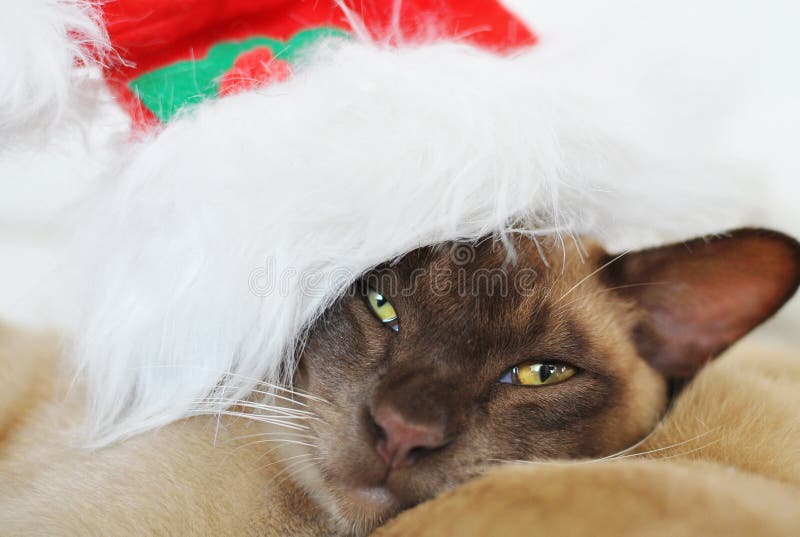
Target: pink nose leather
[{"x": 401, "y": 441}]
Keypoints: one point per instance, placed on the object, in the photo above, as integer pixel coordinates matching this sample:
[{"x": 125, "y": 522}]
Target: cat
[
  {"x": 435, "y": 401},
  {"x": 432, "y": 371}
]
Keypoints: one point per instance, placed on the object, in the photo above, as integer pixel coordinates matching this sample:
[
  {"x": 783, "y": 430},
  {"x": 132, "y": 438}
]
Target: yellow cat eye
[
  {"x": 537, "y": 374},
  {"x": 383, "y": 309}
]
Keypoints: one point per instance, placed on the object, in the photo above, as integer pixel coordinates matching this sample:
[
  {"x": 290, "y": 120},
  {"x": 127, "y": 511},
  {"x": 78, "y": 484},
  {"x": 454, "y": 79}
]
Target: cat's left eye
[
  {"x": 383, "y": 309},
  {"x": 537, "y": 373}
]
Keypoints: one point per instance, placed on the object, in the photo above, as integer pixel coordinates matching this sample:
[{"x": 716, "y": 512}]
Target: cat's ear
[{"x": 699, "y": 297}]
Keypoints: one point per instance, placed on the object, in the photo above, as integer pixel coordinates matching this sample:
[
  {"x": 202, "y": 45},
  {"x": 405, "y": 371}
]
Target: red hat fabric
[{"x": 176, "y": 54}]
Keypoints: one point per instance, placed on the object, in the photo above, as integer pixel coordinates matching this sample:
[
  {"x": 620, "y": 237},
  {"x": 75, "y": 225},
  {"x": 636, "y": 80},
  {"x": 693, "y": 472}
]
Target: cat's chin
[
  {"x": 377, "y": 499},
  {"x": 366, "y": 507}
]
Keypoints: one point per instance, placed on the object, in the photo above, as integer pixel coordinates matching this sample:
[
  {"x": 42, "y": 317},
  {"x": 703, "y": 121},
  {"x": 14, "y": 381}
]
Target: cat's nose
[{"x": 399, "y": 441}]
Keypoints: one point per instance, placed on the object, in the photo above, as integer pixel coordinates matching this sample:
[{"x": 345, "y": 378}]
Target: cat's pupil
[
  {"x": 380, "y": 300},
  {"x": 545, "y": 371}
]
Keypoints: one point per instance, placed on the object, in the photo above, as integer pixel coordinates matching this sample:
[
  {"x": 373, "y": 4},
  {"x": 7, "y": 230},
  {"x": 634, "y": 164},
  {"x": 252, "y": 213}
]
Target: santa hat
[
  {"x": 178, "y": 54},
  {"x": 285, "y": 148}
]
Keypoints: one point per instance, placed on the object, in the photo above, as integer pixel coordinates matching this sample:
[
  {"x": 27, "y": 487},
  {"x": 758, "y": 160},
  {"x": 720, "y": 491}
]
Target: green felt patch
[{"x": 167, "y": 90}]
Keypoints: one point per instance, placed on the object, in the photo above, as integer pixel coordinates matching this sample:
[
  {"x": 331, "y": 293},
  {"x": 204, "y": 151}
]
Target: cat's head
[{"x": 456, "y": 358}]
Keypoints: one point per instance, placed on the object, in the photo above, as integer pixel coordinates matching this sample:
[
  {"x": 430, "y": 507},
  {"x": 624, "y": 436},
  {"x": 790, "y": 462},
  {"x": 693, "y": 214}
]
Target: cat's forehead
[
  {"x": 514, "y": 269},
  {"x": 491, "y": 285},
  {"x": 513, "y": 253}
]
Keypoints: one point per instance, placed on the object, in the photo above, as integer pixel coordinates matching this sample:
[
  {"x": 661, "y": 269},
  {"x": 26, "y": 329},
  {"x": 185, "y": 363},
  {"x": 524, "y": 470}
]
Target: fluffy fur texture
[
  {"x": 58, "y": 130},
  {"x": 608, "y": 499},
  {"x": 43, "y": 43},
  {"x": 723, "y": 462}
]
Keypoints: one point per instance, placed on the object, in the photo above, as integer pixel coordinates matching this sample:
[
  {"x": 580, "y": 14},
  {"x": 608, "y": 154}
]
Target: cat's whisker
[
  {"x": 281, "y": 398},
  {"x": 275, "y": 440},
  {"x": 499, "y": 461},
  {"x": 641, "y": 441},
  {"x": 295, "y": 458},
  {"x": 618, "y": 455},
  {"x": 623, "y": 452},
  {"x": 278, "y": 421},
  {"x": 254, "y": 405},
  {"x": 548, "y": 462},
  {"x": 563, "y": 307},
  {"x": 669, "y": 447},
  {"x": 277, "y": 387},
  {"x": 288, "y": 398},
  {"x": 298, "y": 460},
  {"x": 684, "y": 453},
  {"x": 267, "y": 395},
  {"x": 286, "y": 418},
  {"x": 292, "y": 470},
  {"x": 259, "y": 435},
  {"x": 590, "y": 275}
]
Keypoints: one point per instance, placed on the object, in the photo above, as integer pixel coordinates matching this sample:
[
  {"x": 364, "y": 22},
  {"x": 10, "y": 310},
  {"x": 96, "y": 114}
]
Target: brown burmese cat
[{"x": 437, "y": 368}]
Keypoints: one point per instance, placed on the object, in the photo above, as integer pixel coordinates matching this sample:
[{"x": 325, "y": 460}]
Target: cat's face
[{"x": 489, "y": 362}]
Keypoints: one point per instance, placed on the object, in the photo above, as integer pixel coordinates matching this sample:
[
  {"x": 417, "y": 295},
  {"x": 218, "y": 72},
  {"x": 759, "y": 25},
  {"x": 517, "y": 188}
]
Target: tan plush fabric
[
  {"x": 197, "y": 477},
  {"x": 634, "y": 497}
]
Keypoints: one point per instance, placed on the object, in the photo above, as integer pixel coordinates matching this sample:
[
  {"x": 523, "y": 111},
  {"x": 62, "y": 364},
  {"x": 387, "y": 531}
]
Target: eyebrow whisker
[{"x": 593, "y": 273}]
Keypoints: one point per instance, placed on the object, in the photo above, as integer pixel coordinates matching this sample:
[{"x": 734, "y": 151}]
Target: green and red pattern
[{"x": 180, "y": 52}]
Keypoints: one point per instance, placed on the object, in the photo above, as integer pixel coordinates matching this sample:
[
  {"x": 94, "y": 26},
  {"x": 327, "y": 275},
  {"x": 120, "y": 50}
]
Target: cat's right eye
[{"x": 538, "y": 374}]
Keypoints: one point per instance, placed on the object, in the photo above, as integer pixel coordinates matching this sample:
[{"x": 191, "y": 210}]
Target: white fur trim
[
  {"x": 42, "y": 45},
  {"x": 57, "y": 131}
]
